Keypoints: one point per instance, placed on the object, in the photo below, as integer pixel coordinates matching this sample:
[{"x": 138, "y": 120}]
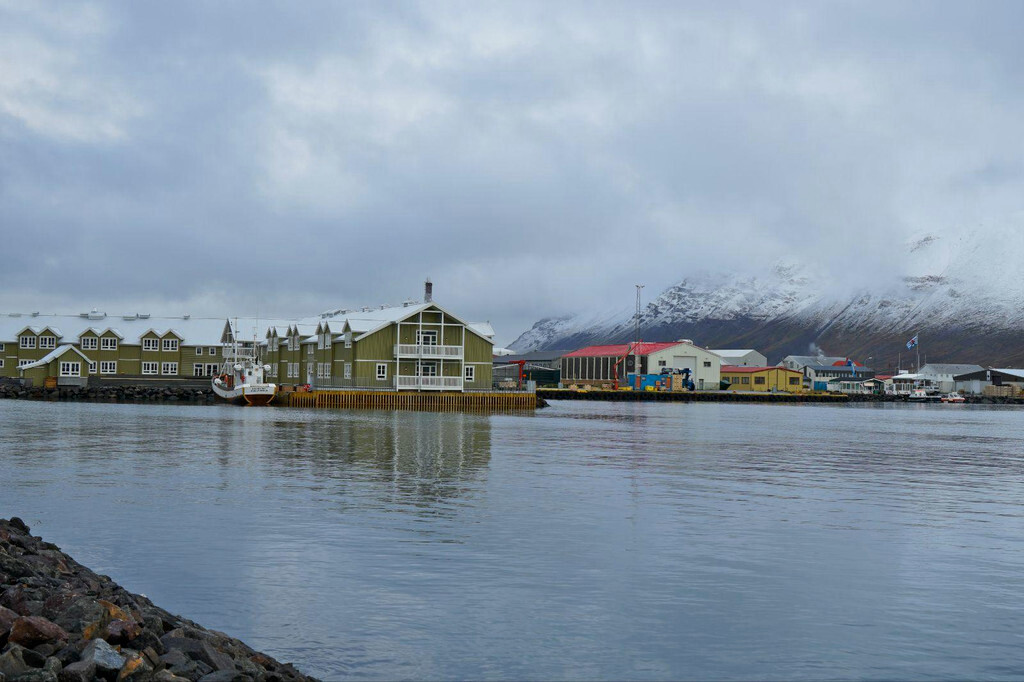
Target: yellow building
[{"x": 771, "y": 379}]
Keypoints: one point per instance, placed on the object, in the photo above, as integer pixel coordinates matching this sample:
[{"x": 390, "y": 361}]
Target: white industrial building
[{"x": 598, "y": 365}]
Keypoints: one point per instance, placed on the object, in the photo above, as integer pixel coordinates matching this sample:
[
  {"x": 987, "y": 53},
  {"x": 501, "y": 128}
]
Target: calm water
[{"x": 586, "y": 541}]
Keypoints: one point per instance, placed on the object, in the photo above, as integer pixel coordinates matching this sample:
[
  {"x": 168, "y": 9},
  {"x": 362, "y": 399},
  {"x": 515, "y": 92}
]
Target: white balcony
[
  {"x": 416, "y": 350},
  {"x": 429, "y": 383}
]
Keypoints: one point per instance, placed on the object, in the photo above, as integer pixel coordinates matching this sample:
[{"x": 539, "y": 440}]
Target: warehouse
[
  {"x": 606, "y": 365},
  {"x": 769, "y": 379}
]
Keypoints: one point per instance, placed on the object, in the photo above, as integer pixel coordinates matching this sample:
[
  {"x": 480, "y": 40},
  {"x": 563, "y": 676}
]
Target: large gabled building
[
  {"x": 606, "y": 365},
  {"x": 414, "y": 346}
]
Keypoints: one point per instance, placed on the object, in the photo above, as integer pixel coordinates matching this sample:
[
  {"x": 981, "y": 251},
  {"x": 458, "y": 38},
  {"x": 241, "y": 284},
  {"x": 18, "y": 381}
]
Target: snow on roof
[
  {"x": 733, "y": 352},
  {"x": 482, "y": 328},
  {"x": 53, "y": 355},
  {"x": 204, "y": 331},
  {"x": 940, "y": 368},
  {"x": 807, "y": 360}
]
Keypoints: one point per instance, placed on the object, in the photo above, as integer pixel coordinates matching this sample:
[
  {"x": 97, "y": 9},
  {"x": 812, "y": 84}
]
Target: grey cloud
[{"x": 533, "y": 158}]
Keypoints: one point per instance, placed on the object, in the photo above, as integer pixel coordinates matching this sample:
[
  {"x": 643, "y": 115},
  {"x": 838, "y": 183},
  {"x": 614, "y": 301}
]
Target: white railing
[
  {"x": 414, "y": 350},
  {"x": 430, "y": 383}
]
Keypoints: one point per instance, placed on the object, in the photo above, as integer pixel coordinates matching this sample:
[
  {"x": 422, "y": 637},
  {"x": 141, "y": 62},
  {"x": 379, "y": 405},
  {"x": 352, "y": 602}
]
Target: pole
[
  {"x": 918, "y": 345},
  {"x": 636, "y": 339}
]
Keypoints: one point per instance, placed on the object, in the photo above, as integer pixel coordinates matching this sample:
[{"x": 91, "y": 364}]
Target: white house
[{"x": 742, "y": 357}]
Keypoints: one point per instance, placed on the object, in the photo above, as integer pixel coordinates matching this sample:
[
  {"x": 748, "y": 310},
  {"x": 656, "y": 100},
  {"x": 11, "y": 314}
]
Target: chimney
[{"x": 428, "y": 291}]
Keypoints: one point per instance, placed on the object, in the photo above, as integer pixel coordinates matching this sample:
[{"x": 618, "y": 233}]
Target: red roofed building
[{"x": 602, "y": 365}]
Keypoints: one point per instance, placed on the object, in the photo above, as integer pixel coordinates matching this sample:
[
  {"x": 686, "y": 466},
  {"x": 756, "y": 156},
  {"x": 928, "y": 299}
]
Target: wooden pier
[{"x": 413, "y": 400}]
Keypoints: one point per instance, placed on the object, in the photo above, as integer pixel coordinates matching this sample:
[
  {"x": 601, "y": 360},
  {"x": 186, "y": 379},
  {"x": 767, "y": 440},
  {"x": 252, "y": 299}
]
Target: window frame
[
  {"x": 108, "y": 366},
  {"x": 382, "y": 371},
  {"x": 151, "y": 345},
  {"x": 165, "y": 365},
  {"x": 51, "y": 342},
  {"x": 89, "y": 342},
  {"x": 169, "y": 346},
  {"x": 108, "y": 343},
  {"x": 27, "y": 342},
  {"x": 65, "y": 368},
  {"x": 469, "y": 374},
  {"x": 151, "y": 368}
]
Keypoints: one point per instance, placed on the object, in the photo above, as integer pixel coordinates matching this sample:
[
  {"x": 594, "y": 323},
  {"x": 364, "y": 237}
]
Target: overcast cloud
[{"x": 533, "y": 159}]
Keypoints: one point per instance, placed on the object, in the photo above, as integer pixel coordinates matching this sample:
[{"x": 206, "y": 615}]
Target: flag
[{"x": 912, "y": 342}]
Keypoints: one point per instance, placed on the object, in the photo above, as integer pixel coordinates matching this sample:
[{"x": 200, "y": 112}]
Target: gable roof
[
  {"x": 941, "y": 368},
  {"x": 53, "y": 355},
  {"x": 746, "y": 369}
]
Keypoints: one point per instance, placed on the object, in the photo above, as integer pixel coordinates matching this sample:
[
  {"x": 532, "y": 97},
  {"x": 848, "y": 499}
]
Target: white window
[
  {"x": 150, "y": 344},
  {"x": 92, "y": 368},
  {"x": 89, "y": 343},
  {"x": 470, "y": 373},
  {"x": 348, "y": 339},
  {"x": 293, "y": 370},
  {"x": 1, "y": 363},
  {"x": 382, "y": 371},
  {"x": 169, "y": 368},
  {"x": 171, "y": 345},
  {"x": 108, "y": 343},
  {"x": 199, "y": 351},
  {"x": 428, "y": 369},
  {"x": 426, "y": 338},
  {"x": 108, "y": 367},
  {"x": 71, "y": 369},
  {"x": 150, "y": 367},
  {"x": 47, "y": 341},
  {"x": 197, "y": 369},
  {"x": 320, "y": 341},
  {"x": 2, "y": 349},
  {"x": 327, "y": 370},
  {"x": 27, "y": 342},
  {"x": 309, "y": 349},
  {"x": 211, "y": 351},
  {"x": 22, "y": 363},
  {"x": 348, "y": 370}
]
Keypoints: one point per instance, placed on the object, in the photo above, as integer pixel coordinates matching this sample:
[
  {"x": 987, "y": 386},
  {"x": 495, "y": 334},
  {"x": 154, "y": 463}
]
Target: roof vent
[
  {"x": 689, "y": 341},
  {"x": 366, "y": 309},
  {"x": 95, "y": 315},
  {"x": 383, "y": 307},
  {"x": 143, "y": 316},
  {"x": 185, "y": 316},
  {"x": 13, "y": 314},
  {"x": 35, "y": 314},
  {"x": 130, "y": 316}
]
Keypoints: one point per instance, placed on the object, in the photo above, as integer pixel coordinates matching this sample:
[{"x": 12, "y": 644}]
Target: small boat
[
  {"x": 953, "y": 398},
  {"x": 921, "y": 395},
  {"x": 242, "y": 379}
]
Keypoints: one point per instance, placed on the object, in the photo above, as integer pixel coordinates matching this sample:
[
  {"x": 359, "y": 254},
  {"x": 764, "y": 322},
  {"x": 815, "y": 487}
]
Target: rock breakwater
[
  {"x": 109, "y": 394},
  {"x": 61, "y": 622}
]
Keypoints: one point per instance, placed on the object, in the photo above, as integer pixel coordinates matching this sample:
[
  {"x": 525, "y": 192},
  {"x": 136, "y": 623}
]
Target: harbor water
[{"x": 583, "y": 541}]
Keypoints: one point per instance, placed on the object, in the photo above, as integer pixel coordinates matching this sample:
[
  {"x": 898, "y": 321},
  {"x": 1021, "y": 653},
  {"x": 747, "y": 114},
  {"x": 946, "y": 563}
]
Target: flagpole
[{"x": 918, "y": 337}]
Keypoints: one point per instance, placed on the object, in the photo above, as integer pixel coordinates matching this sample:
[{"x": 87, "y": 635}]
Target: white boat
[
  {"x": 241, "y": 380},
  {"x": 953, "y": 398},
  {"x": 921, "y": 395}
]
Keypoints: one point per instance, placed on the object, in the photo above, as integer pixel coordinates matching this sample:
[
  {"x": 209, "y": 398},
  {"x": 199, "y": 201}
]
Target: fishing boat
[
  {"x": 953, "y": 398},
  {"x": 242, "y": 378},
  {"x": 921, "y": 395}
]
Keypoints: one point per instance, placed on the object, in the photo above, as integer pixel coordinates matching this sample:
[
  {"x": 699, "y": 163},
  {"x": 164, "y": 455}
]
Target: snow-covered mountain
[{"x": 964, "y": 295}]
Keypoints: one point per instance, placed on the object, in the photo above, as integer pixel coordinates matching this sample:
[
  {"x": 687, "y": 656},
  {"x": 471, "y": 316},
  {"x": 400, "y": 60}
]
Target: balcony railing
[
  {"x": 430, "y": 383},
  {"x": 416, "y": 350}
]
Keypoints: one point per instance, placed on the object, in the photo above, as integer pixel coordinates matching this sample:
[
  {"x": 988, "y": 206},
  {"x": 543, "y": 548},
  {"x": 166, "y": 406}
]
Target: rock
[
  {"x": 12, "y": 663},
  {"x": 108, "y": 662},
  {"x": 121, "y": 631},
  {"x": 217, "y": 660},
  {"x": 18, "y": 524},
  {"x": 7, "y": 618},
  {"x": 165, "y": 676},
  {"x": 136, "y": 667},
  {"x": 80, "y": 671},
  {"x": 54, "y": 665},
  {"x": 29, "y": 631},
  {"x": 226, "y": 676},
  {"x": 36, "y": 675}
]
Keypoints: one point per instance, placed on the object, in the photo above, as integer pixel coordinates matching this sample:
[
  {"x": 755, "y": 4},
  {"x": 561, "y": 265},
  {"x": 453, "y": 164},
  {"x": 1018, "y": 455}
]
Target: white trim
[
  {"x": 89, "y": 342},
  {"x": 165, "y": 366},
  {"x": 469, "y": 373},
  {"x": 108, "y": 366},
  {"x": 51, "y": 342},
  {"x": 108, "y": 343},
  {"x": 22, "y": 363},
  {"x": 70, "y": 369},
  {"x": 27, "y": 342},
  {"x": 150, "y": 345},
  {"x": 150, "y": 367},
  {"x": 169, "y": 346},
  {"x": 382, "y": 376}
]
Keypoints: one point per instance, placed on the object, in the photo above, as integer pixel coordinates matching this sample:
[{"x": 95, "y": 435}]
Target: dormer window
[
  {"x": 27, "y": 342},
  {"x": 348, "y": 339},
  {"x": 150, "y": 344},
  {"x": 170, "y": 345},
  {"x": 89, "y": 343},
  {"x": 108, "y": 343},
  {"x": 48, "y": 342}
]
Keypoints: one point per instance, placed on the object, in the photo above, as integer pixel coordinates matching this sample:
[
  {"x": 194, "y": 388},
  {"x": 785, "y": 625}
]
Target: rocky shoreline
[{"x": 61, "y": 622}]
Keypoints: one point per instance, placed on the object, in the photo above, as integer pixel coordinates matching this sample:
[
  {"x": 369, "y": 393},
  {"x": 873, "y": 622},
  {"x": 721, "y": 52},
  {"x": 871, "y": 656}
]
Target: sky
[{"x": 532, "y": 159}]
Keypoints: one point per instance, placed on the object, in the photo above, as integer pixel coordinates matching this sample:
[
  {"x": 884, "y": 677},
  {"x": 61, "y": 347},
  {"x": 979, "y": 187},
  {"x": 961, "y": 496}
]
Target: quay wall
[
  {"x": 413, "y": 400},
  {"x": 61, "y": 622},
  {"x": 734, "y": 397}
]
